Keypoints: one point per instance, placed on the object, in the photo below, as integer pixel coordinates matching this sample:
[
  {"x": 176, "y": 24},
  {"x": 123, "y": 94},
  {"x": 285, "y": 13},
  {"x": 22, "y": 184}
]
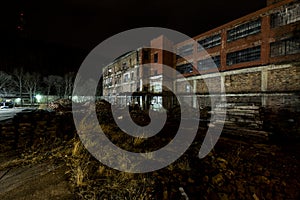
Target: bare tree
[
  {"x": 69, "y": 81},
  {"x": 30, "y": 84},
  {"x": 4, "y": 81},
  {"x": 18, "y": 75},
  {"x": 58, "y": 85},
  {"x": 50, "y": 82}
]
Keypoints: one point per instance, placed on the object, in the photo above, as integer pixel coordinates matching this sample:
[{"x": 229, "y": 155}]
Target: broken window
[
  {"x": 285, "y": 16},
  {"x": 185, "y": 68},
  {"x": 145, "y": 55},
  {"x": 285, "y": 47},
  {"x": 108, "y": 82},
  {"x": 124, "y": 66},
  {"x": 244, "y": 30},
  {"x": 246, "y": 55},
  {"x": 108, "y": 71},
  {"x": 138, "y": 72},
  {"x": 209, "y": 63},
  {"x": 185, "y": 50},
  {"x": 209, "y": 42},
  {"x": 126, "y": 78},
  {"x": 156, "y": 57},
  {"x": 118, "y": 79}
]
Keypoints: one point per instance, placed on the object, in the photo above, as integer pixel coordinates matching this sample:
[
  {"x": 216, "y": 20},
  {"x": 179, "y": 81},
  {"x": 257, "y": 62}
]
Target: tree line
[{"x": 20, "y": 82}]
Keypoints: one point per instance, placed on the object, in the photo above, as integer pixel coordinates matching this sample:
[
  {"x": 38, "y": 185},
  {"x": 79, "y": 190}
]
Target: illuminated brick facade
[{"x": 255, "y": 55}]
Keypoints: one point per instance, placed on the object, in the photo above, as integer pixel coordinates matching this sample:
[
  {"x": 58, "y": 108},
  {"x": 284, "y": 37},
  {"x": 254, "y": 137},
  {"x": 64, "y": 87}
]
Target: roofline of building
[
  {"x": 231, "y": 24},
  {"x": 123, "y": 56},
  {"x": 238, "y": 21}
]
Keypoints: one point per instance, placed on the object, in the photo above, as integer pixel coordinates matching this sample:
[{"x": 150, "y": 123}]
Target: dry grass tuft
[{"x": 90, "y": 179}]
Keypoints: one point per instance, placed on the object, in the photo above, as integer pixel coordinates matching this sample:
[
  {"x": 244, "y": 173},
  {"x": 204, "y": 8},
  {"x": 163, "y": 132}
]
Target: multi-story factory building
[{"x": 257, "y": 58}]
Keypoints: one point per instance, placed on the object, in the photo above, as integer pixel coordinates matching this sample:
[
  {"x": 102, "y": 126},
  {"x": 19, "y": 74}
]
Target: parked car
[{"x": 6, "y": 105}]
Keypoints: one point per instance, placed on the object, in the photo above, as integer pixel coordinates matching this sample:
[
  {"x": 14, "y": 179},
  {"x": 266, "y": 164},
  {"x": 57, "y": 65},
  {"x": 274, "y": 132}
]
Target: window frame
[
  {"x": 209, "y": 63},
  {"x": 209, "y": 42},
  {"x": 185, "y": 68},
  {"x": 245, "y": 55},
  {"x": 185, "y": 50},
  {"x": 244, "y": 30},
  {"x": 285, "y": 47}
]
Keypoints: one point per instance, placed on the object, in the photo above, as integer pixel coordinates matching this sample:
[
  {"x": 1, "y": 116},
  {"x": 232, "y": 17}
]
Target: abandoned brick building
[{"x": 255, "y": 59}]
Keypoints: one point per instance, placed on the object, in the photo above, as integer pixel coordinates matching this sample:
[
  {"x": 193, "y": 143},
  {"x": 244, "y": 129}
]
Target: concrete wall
[
  {"x": 244, "y": 82},
  {"x": 270, "y": 85},
  {"x": 284, "y": 79}
]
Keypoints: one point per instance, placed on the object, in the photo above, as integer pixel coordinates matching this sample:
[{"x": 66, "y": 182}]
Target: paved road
[{"x": 9, "y": 113}]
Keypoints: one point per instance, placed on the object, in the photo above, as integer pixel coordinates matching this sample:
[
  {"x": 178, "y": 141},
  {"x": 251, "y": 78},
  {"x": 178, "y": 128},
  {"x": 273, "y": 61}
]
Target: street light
[{"x": 38, "y": 98}]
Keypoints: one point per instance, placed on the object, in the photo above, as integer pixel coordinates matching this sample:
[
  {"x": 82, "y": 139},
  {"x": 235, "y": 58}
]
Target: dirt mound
[{"x": 61, "y": 105}]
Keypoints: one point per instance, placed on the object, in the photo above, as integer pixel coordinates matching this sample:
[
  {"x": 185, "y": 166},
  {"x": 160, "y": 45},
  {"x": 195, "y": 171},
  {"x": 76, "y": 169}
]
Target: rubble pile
[
  {"x": 244, "y": 121},
  {"x": 103, "y": 110},
  {"x": 61, "y": 105},
  {"x": 185, "y": 110},
  {"x": 35, "y": 129},
  {"x": 104, "y": 113},
  {"x": 7, "y": 136},
  {"x": 280, "y": 120},
  {"x": 233, "y": 170}
]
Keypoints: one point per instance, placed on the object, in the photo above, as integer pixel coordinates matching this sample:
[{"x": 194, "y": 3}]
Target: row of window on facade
[
  {"x": 246, "y": 55},
  {"x": 120, "y": 89},
  {"x": 285, "y": 16},
  {"x": 236, "y": 33},
  {"x": 127, "y": 77},
  {"x": 285, "y": 47},
  {"x": 280, "y": 48},
  {"x": 205, "y": 64},
  {"x": 122, "y": 67}
]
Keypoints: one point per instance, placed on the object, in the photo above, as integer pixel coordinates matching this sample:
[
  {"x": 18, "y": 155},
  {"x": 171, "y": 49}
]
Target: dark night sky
[
  {"x": 59, "y": 34},
  {"x": 85, "y": 23}
]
